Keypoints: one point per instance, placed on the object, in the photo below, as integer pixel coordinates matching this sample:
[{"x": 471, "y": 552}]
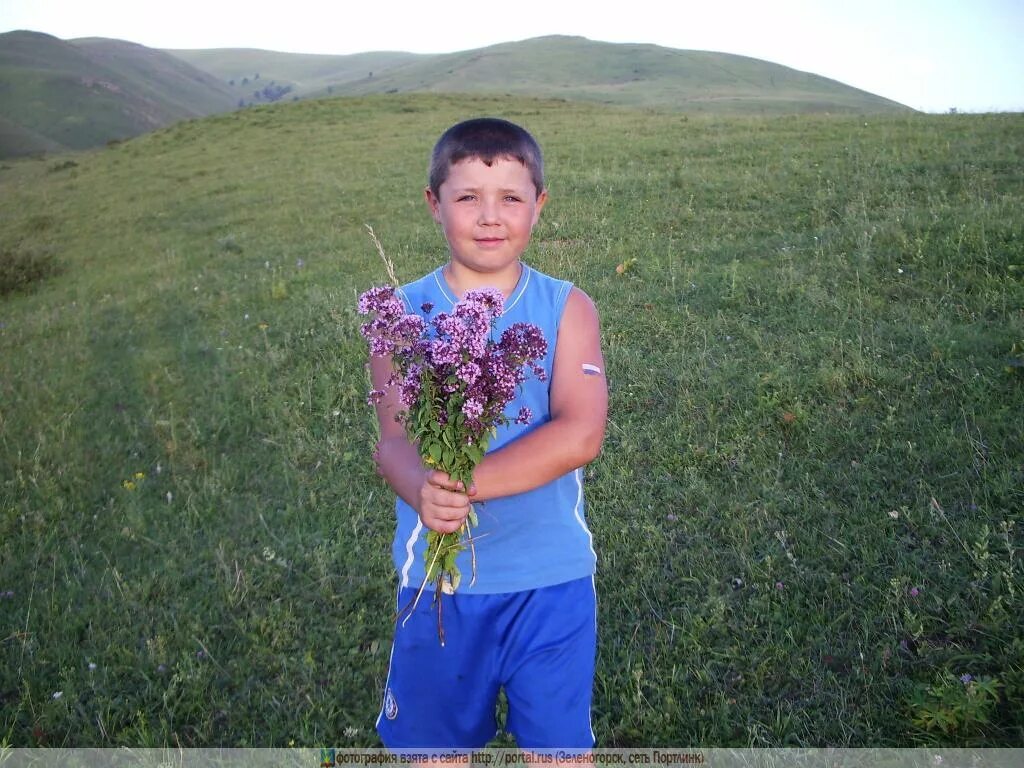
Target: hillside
[
  {"x": 806, "y": 510},
  {"x": 81, "y": 93},
  {"x": 559, "y": 66},
  {"x": 75, "y": 94},
  {"x": 245, "y": 70}
]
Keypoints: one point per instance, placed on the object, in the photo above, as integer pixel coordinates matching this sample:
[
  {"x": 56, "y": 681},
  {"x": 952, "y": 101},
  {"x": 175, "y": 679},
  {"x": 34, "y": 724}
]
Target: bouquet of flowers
[{"x": 454, "y": 382}]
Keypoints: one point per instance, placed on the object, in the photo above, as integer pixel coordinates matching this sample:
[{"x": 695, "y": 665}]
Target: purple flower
[
  {"x": 375, "y": 397},
  {"x": 965, "y": 678},
  {"x": 411, "y": 386},
  {"x": 409, "y": 328},
  {"x": 468, "y": 372},
  {"x": 914, "y": 591},
  {"x": 492, "y": 300},
  {"x": 427, "y": 307},
  {"x": 444, "y": 353},
  {"x": 452, "y": 359},
  {"x": 523, "y": 342},
  {"x": 381, "y": 346},
  {"x": 382, "y": 302}
]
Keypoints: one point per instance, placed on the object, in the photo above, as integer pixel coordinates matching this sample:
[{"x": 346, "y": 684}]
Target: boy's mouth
[{"x": 489, "y": 242}]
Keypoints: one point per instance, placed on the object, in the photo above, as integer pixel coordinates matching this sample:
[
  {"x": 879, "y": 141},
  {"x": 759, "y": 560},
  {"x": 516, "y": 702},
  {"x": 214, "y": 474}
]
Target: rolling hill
[
  {"x": 559, "y": 66},
  {"x": 74, "y": 94},
  {"x": 246, "y": 69}
]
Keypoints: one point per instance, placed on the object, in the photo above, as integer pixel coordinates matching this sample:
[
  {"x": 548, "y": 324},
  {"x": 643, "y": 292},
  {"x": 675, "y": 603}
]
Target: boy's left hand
[{"x": 443, "y": 503}]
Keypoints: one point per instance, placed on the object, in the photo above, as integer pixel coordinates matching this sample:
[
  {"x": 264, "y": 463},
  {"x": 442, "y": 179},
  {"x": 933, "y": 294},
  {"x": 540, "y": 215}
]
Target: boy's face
[{"x": 487, "y": 214}]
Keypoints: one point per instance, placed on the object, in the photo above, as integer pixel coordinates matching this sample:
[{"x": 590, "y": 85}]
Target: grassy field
[{"x": 807, "y": 511}]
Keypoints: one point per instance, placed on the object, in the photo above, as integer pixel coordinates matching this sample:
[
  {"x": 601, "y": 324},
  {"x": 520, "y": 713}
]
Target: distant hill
[
  {"x": 562, "y": 67},
  {"x": 248, "y": 70},
  {"x": 74, "y": 94}
]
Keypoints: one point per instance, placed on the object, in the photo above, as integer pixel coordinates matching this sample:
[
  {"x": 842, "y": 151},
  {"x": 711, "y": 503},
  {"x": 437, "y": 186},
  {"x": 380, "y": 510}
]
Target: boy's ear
[
  {"x": 433, "y": 203},
  {"x": 541, "y": 199}
]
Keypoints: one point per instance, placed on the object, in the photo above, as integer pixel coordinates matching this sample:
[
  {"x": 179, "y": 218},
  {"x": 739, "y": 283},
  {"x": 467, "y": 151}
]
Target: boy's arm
[
  {"x": 439, "y": 502},
  {"x": 579, "y": 411}
]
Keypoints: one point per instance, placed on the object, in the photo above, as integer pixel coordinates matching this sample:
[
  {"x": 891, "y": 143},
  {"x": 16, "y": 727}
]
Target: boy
[{"x": 528, "y": 623}]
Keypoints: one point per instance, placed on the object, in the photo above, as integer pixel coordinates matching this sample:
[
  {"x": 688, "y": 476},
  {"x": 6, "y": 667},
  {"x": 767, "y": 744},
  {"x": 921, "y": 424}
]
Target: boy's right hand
[{"x": 443, "y": 502}]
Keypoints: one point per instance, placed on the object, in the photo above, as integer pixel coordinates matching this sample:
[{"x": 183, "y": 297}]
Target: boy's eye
[
  {"x": 512, "y": 199},
  {"x": 462, "y": 198}
]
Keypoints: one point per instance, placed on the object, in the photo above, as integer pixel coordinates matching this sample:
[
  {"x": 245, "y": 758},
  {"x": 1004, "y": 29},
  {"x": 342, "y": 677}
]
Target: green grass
[{"x": 807, "y": 510}]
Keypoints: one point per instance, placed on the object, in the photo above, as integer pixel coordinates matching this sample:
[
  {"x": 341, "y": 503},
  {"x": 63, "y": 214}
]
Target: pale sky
[{"x": 932, "y": 55}]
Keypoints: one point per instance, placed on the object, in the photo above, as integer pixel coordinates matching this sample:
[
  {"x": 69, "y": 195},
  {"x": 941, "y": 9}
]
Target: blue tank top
[{"x": 528, "y": 540}]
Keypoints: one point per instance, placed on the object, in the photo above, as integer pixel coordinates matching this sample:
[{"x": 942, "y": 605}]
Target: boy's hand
[{"x": 443, "y": 502}]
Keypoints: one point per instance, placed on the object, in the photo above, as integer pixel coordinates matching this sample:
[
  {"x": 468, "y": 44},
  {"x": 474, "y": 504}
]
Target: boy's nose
[{"x": 488, "y": 212}]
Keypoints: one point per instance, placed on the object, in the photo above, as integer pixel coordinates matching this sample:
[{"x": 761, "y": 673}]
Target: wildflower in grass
[
  {"x": 57, "y": 695},
  {"x": 140, "y": 475},
  {"x": 914, "y": 591},
  {"x": 779, "y": 586},
  {"x": 92, "y": 666},
  {"x": 454, "y": 382},
  {"x": 128, "y": 485},
  {"x": 966, "y": 678}
]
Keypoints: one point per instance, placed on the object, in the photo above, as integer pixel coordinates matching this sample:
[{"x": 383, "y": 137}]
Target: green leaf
[
  {"x": 474, "y": 454},
  {"x": 434, "y": 450}
]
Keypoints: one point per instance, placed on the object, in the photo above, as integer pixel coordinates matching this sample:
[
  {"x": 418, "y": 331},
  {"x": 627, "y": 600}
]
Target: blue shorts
[{"x": 539, "y": 645}]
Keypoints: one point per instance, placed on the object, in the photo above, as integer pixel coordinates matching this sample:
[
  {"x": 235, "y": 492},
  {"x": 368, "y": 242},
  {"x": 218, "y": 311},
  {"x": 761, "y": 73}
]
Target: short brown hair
[{"x": 486, "y": 138}]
